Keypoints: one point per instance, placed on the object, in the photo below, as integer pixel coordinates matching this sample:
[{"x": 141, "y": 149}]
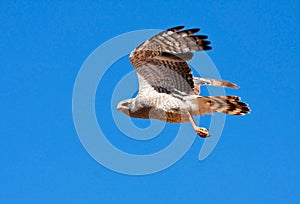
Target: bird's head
[
  {"x": 126, "y": 106},
  {"x": 135, "y": 108}
]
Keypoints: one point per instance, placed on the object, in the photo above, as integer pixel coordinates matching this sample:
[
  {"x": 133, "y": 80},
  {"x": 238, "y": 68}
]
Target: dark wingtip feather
[
  {"x": 202, "y": 37},
  {"x": 207, "y": 48},
  {"x": 190, "y": 31},
  {"x": 176, "y": 28},
  {"x": 206, "y": 42}
]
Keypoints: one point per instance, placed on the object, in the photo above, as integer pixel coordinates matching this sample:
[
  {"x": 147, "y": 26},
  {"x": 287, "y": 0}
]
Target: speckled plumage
[{"x": 168, "y": 90}]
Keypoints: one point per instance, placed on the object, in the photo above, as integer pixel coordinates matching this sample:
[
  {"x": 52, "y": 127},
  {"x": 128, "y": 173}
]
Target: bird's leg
[{"x": 201, "y": 131}]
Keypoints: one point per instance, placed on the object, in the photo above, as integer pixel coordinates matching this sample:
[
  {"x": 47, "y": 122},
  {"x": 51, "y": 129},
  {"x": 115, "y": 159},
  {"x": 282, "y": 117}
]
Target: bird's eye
[{"x": 125, "y": 104}]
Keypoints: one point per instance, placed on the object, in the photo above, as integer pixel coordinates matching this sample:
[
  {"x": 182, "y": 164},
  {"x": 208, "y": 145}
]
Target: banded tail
[{"x": 222, "y": 104}]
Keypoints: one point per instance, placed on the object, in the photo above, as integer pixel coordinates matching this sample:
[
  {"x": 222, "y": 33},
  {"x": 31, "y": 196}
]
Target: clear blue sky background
[{"x": 42, "y": 47}]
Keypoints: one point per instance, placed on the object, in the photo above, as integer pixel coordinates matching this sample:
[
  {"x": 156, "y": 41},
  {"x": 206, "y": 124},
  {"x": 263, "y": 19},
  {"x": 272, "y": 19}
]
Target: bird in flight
[{"x": 168, "y": 91}]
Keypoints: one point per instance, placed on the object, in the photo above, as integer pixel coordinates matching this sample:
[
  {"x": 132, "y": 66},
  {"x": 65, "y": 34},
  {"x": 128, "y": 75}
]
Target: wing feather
[
  {"x": 161, "y": 61},
  {"x": 165, "y": 76}
]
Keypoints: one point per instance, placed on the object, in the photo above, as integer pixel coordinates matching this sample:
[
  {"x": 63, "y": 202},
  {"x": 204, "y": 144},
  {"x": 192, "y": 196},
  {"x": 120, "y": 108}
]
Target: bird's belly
[{"x": 171, "y": 116}]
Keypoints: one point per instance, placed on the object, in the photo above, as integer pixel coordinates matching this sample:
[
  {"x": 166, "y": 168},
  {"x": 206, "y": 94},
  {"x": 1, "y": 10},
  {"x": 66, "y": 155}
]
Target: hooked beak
[{"x": 119, "y": 107}]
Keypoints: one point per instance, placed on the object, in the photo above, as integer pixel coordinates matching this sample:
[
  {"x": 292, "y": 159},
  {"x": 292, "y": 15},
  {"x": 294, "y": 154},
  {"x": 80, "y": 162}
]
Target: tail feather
[{"x": 222, "y": 104}]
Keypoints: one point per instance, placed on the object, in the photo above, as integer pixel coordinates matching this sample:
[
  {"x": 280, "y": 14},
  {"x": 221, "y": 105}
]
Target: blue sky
[{"x": 44, "y": 44}]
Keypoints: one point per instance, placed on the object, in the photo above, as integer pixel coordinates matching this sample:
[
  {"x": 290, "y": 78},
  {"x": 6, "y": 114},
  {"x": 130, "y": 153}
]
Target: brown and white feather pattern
[
  {"x": 166, "y": 82},
  {"x": 162, "y": 59}
]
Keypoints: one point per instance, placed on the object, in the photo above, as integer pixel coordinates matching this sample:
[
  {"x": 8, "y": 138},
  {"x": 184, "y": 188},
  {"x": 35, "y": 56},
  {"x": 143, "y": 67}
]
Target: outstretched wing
[{"x": 161, "y": 61}]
